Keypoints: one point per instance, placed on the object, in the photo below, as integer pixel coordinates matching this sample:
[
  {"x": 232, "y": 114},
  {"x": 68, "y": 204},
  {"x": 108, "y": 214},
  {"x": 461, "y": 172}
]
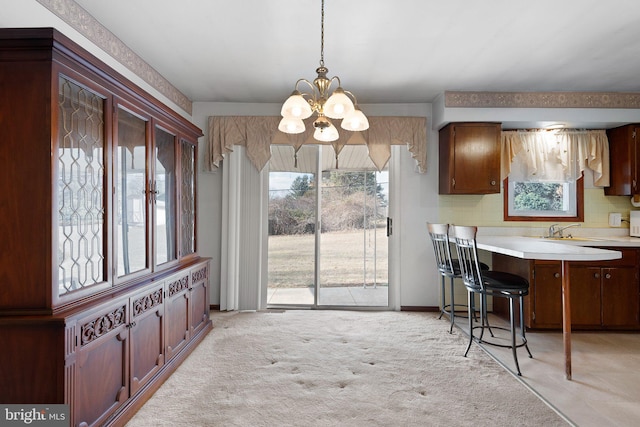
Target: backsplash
[{"x": 487, "y": 210}]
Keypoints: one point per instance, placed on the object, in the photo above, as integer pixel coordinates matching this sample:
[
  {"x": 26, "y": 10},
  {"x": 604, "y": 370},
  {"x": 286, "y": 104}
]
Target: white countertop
[{"x": 545, "y": 249}]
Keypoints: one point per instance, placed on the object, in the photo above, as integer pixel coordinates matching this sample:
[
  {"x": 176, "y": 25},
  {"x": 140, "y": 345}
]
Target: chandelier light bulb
[
  {"x": 291, "y": 125},
  {"x": 356, "y": 121},
  {"x": 338, "y": 105},
  {"x": 327, "y": 134}
]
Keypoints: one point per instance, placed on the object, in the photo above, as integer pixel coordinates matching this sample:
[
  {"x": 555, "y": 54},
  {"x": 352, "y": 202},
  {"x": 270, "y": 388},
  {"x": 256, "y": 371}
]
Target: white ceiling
[{"x": 400, "y": 51}]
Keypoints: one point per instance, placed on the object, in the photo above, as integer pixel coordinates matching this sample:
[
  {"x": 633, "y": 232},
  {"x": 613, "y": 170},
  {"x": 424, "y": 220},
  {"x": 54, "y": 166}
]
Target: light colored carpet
[{"x": 340, "y": 368}]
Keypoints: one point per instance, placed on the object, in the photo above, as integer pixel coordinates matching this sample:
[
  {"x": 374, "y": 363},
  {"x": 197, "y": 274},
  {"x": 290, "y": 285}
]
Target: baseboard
[
  {"x": 419, "y": 308},
  {"x": 214, "y": 307}
]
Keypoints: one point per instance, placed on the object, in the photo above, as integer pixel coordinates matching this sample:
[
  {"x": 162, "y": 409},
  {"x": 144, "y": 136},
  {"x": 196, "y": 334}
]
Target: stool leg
[
  {"x": 471, "y": 309},
  {"x": 513, "y": 333},
  {"x": 522, "y": 328},
  {"x": 452, "y": 307},
  {"x": 442, "y": 309}
]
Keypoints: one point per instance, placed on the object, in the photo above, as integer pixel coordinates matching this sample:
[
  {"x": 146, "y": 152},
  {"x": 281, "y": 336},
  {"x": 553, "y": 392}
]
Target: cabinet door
[
  {"x": 79, "y": 162},
  {"x": 146, "y": 336},
  {"x": 547, "y": 295},
  {"x": 620, "y": 296},
  {"x": 199, "y": 299},
  {"x": 470, "y": 153},
  {"x": 187, "y": 198},
  {"x": 177, "y": 312},
  {"x": 101, "y": 377},
  {"x": 624, "y": 157},
  {"x": 165, "y": 195},
  {"x": 586, "y": 301},
  {"x": 131, "y": 202}
]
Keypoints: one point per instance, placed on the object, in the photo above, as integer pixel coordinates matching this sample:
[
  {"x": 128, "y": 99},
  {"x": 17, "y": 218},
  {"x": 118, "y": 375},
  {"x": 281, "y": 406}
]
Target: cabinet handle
[
  {"x": 493, "y": 182},
  {"x": 596, "y": 275},
  {"x": 607, "y": 276},
  {"x": 556, "y": 275}
]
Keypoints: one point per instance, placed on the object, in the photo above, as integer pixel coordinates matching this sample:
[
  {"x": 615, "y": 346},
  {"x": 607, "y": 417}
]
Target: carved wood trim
[
  {"x": 102, "y": 325},
  {"x": 199, "y": 275},
  {"x": 147, "y": 302},
  {"x": 178, "y": 285}
]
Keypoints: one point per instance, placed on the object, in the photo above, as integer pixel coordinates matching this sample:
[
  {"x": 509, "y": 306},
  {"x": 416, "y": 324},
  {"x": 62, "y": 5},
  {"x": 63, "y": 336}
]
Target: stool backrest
[
  {"x": 465, "y": 239},
  {"x": 439, "y": 234}
]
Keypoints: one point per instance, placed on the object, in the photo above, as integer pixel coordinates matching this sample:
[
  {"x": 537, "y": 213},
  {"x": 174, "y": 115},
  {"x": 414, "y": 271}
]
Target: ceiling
[{"x": 400, "y": 51}]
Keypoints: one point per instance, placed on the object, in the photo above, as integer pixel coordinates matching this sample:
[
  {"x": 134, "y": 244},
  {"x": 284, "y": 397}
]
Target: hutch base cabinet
[{"x": 102, "y": 291}]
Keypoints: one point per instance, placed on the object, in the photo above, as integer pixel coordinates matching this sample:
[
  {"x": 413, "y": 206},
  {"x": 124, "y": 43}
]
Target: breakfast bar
[{"x": 544, "y": 249}]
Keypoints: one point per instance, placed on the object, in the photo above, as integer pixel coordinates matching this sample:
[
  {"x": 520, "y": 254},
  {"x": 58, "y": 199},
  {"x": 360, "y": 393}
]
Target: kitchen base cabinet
[{"x": 605, "y": 295}]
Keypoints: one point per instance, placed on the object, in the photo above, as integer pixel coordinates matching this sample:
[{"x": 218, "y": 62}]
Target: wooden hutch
[{"x": 102, "y": 292}]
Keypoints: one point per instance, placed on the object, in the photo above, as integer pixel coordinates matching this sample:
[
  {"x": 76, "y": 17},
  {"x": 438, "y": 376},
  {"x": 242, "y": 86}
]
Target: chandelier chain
[{"x": 322, "y": 35}]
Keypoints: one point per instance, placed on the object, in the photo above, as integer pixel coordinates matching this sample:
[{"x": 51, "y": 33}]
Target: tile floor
[{"x": 605, "y": 385}]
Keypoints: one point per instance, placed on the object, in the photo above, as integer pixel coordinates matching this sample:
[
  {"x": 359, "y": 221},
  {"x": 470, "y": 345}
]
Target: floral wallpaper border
[
  {"x": 82, "y": 21},
  {"x": 469, "y": 99}
]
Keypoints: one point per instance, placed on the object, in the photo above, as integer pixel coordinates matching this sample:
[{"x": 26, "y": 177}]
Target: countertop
[
  {"x": 528, "y": 243},
  {"x": 545, "y": 249}
]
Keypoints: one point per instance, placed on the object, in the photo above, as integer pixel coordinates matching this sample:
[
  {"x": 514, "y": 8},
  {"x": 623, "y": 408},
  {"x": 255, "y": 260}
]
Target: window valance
[
  {"x": 543, "y": 153},
  {"x": 257, "y": 133}
]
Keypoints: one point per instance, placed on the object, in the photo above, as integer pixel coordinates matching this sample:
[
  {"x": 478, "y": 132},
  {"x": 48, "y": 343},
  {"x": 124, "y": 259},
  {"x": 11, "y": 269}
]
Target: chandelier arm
[
  {"x": 314, "y": 91},
  {"x": 355, "y": 100}
]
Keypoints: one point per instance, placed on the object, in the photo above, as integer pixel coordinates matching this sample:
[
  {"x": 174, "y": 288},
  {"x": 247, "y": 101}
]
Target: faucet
[{"x": 555, "y": 229}]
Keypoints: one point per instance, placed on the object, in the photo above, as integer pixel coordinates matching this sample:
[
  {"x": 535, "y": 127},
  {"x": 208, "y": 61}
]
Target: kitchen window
[{"x": 543, "y": 173}]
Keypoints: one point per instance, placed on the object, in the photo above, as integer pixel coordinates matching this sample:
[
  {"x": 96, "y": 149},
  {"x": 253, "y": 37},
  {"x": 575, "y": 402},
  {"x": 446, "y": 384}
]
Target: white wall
[{"x": 417, "y": 202}]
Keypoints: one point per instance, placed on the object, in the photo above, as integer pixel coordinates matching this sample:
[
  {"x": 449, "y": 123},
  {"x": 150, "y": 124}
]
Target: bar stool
[
  {"x": 489, "y": 283},
  {"x": 448, "y": 267}
]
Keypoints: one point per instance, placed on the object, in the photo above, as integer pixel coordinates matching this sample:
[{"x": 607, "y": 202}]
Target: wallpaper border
[
  {"x": 470, "y": 99},
  {"x": 82, "y": 21}
]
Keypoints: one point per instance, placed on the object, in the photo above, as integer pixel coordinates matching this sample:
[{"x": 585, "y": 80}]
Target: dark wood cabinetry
[
  {"x": 469, "y": 158},
  {"x": 604, "y": 294},
  {"x": 97, "y": 219},
  {"x": 624, "y": 154}
]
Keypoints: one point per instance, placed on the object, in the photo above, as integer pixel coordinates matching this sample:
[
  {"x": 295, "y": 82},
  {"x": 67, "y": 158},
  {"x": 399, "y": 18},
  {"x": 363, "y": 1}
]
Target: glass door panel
[
  {"x": 164, "y": 188},
  {"x": 345, "y": 263},
  {"x": 130, "y": 176},
  {"x": 353, "y": 239},
  {"x": 81, "y": 202},
  {"x": 187, "y": 198},
  {"x": 292, "y": 219}
]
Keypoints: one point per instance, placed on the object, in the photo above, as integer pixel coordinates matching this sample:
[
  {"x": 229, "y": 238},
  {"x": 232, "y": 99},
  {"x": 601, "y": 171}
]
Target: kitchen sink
[{"x": 569, "y": 238}]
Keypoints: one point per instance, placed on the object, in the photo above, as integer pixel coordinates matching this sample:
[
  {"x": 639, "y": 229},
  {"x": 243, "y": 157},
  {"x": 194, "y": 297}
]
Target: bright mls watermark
[{"x": 34, "y": 415}]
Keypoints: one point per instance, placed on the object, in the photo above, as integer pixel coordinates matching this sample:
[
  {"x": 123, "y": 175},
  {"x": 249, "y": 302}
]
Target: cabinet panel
[
  {"x": 469, "y": 158},
  {"x": 146, "y": 336},
  {"x": 199, "y": 299},
  {"x": 620, "y": 296},
  {"x": 624, "y": 155},
  {"x": 102, "y": 378},
  {"x": 547, "y": 295},
  {"x": 586, "y": 301},
  {"x": 177, "y": 312}
]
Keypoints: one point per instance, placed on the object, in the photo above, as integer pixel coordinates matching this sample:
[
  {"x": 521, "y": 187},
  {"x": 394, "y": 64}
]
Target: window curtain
[
  {"x": 257, "y": 133},
  {"x": 556, "y": 155},
  {"x": 244, "y": 221}
]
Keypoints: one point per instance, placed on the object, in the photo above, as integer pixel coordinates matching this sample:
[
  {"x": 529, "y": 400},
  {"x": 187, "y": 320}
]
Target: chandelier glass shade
[{"x": 339, "y": 104}]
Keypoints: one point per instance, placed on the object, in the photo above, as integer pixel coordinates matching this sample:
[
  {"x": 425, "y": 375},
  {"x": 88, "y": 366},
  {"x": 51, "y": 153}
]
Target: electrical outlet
[{"x": 615, "y": 219}]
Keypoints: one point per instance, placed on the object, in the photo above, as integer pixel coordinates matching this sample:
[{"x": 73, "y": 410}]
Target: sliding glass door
[{"x": 327, "y": 247}]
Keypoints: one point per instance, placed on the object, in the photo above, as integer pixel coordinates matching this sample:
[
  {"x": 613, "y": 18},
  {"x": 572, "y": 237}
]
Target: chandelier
[{"x": 326, "y": 105}]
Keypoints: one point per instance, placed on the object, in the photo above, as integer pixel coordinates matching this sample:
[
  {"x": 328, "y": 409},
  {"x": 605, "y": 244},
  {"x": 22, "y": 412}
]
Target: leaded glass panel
[
  {"x": 80, "y": 161},
  {"x": 188, "y": 204}
]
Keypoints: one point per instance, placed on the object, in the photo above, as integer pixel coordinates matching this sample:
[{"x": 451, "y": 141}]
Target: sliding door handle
[{"x": 389, "y": 226}]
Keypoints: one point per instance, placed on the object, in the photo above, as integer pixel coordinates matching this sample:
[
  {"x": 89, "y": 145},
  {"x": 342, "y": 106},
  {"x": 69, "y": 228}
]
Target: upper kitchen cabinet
[
  {"x": 97, "y": 177},
  {"x": 470, "y": 158},
  {"x": 624, "y": 155}
]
